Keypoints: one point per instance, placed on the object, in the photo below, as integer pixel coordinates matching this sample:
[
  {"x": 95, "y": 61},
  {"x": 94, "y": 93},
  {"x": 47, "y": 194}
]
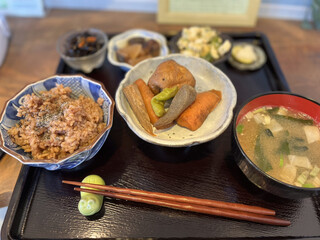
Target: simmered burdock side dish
[
  {"x": 169, "y": 97},
  {"x": 138, "y": 49},
  {"x": 283, "y": 143},
  {"x": 83, "y": 44},
  {"x": 55, "y": 125}
]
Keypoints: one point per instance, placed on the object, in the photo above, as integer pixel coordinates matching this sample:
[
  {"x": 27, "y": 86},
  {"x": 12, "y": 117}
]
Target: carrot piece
[
  {"x": 81, "y": 43},
  {"x": 134, "y": 98},
  {"x": 194, "y": 116},
  {"x": 91, "y": 39},
  {"x": 147, "y": 95}
]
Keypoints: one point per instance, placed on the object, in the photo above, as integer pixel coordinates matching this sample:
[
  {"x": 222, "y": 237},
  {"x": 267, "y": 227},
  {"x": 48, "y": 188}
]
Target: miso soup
[{"x": 283, "y": 143}]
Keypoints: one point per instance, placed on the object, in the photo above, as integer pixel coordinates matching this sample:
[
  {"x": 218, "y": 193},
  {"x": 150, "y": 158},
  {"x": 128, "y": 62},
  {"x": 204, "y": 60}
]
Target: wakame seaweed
[
  {"x": 273, "y": 110},
  {"x": 268, "y": 132},
  {"x": 300, "y": 148},
  {"x": 299, "y": 120},
  {"x": 284, "y": 148},
  {"x": 262, "y": 161}
]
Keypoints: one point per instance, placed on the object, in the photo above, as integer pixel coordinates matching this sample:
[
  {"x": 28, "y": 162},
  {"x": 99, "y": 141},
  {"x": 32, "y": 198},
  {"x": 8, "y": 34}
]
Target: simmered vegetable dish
[{"x": 283, "y": 143}]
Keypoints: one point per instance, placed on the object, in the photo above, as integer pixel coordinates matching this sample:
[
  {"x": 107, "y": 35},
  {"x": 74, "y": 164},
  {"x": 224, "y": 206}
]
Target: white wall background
[{"x": 284, "y": 9}]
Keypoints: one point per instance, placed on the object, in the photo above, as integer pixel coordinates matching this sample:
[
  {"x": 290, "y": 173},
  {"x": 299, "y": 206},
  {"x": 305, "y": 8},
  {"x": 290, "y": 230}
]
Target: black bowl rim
[
  {"x": 309, "y": 190},
  {"x": 172, "y": 44}
]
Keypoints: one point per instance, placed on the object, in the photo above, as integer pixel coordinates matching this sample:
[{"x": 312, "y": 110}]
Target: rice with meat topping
[{"x": 55, "y": 125}]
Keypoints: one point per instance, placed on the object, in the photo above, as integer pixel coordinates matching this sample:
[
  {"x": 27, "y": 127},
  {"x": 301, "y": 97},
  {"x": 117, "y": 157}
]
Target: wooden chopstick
[
  {"x": 217, "y": 208},
  {"x": 252, "y": 217},
  {"x": 179, "y": 198}
]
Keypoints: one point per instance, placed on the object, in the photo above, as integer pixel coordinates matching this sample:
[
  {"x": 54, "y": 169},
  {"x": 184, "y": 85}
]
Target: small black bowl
[
  {"x": 173, "y": 47},
  {"x": 252, "y": 171}
]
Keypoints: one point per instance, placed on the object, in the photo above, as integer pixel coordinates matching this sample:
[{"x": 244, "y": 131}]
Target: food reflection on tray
[{"x": 153, "y": 102}]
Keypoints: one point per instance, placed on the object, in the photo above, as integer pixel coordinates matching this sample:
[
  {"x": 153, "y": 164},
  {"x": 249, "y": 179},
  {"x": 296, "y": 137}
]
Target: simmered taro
[
  {"x": 138, "y": 49},
  {"x": 283, "y": 143},
  {"x": 83, "y": 44}
]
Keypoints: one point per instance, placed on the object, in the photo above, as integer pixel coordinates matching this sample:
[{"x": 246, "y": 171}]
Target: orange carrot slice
[
  {"x": 147, "y": 95},
  {"x": 194, "y": 116}
]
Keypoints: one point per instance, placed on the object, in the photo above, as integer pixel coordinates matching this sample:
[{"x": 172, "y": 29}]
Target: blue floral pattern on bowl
[{"x": 79, "y": 85}]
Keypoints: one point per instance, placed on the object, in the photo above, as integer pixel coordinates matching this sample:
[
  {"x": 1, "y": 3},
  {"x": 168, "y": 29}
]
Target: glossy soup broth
[{"x": 283, "y": 143}]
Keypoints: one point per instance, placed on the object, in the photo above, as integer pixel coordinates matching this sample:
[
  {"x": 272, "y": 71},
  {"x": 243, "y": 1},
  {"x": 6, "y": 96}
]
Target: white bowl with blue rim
[
  {"x": 79, "y": 85},
  {"x": 121, "y": 40}
]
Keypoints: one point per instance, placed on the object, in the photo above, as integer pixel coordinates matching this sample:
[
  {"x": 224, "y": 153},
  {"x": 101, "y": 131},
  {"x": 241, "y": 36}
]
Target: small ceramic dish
[
  {"x": 84, "y": 63},
  {"x": 260, "y": 55},
  {"x": 175, "y": 49},
  {"x": 121, "y": 40},
  {"x": 79, "y": 85},
  {"x": 207, "y": 77}
]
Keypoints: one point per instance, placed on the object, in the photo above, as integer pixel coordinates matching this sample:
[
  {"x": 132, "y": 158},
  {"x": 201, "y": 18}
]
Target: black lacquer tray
[{"x": 43, "y": 208}]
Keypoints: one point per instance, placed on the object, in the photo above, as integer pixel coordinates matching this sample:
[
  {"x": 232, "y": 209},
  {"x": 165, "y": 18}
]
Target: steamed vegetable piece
[
  {"x": 184, "y": 97},
  {"x": 169, "y": 74},
  {"x": 194, "y": 116},
  {"x": 90, "y": 203},
  {"x": 147, "y": 95},
  {"x": 158, "y": 101},
  {"x": 135, "y": 100}
]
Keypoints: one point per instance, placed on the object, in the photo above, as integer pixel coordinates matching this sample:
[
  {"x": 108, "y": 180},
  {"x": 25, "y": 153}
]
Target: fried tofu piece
[{"x": 169, "y": 74}]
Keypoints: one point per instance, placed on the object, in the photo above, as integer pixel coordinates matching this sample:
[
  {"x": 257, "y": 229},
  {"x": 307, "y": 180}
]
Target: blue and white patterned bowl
[
  {"x": 79, "y": 85},
  {"x": 120, "y": 41}
]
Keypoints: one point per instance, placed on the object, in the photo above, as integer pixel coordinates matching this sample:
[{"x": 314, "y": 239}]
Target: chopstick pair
[{"x": 191, "y": 204}]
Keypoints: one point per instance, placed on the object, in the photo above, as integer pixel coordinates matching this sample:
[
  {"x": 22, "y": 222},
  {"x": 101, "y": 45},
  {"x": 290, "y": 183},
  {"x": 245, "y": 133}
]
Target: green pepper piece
[
  {"x": 90, "y": 203},
  {"x": 167, "y": 93},
  {"x": 158, "y": 107},
  {"x": 157, "y": 102}
]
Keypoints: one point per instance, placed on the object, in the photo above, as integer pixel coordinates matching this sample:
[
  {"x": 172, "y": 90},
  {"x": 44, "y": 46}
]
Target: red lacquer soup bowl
[{"x": 252, "y": 171}]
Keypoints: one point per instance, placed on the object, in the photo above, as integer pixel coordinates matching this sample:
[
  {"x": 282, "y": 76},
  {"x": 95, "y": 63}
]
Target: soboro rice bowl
[{"x": 55, "y": 125}]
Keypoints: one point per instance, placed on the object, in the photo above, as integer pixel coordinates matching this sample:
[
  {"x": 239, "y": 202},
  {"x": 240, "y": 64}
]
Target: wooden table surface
[{"x": 32, "y": 56}]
